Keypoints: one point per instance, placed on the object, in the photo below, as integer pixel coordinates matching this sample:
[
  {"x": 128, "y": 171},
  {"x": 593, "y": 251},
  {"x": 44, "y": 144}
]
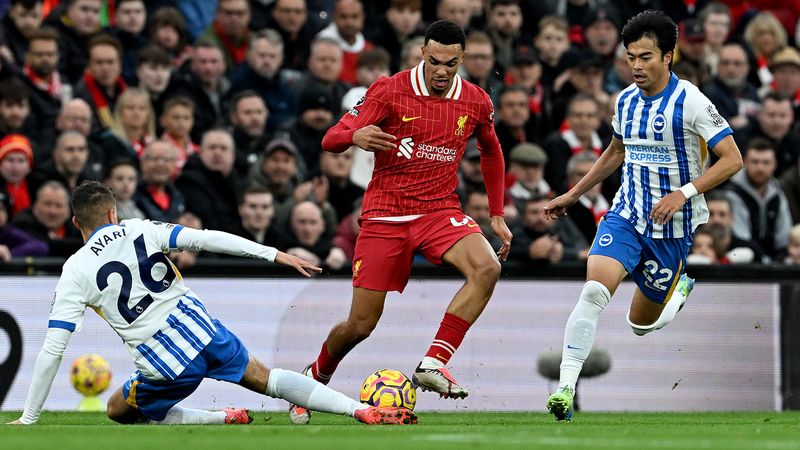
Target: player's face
[
  {"x": 650, "y": 67},
  {"x": 441, "y": 64}
]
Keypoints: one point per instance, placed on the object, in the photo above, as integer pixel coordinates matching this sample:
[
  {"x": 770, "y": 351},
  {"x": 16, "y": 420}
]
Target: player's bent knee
[
  {"x": 360, "y": 329},
  {"x": 596, "y": 293},
  {"x": 487, "y": 272}
]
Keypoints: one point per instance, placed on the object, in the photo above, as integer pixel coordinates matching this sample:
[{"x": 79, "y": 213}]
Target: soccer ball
[
  {"x": 90, "y": 375},
  {"x": 388, "y": 387}
]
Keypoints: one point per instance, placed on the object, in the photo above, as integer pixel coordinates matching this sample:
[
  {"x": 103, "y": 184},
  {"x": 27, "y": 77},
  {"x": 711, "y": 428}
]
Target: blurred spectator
[
  {"x": 578, "y": 134},
  {"x": 276, "y": 170},
  {"x": 290, "y": 19},
  {"x": 76, "y": 115},
  {"x": 730, "y": 91},
  {"x": 526, "y": 172},
  {"x": 257, "y": 209},
  {"x": 620, "y": 75},
  {"x": 156, "y": 196},
  {"x": 411, "y": 55},
  {"x": 324, "y": 66},
  {"x": 526, "y": 71},
  {"x": 101, "y": 84},
  {"x": 478, "y": 66},
  {"x": 774, "y": 122},
  {"x": 79, "y": 22},
  {"x": 541, "y": 240},
  {"x": 131, "y": 17},
  {"x": 248, "y": 116},
  {"x": 476, "y": 206},
  {"x": 15, "y": 111},
  {"x": 761, "y": 211},
  {"x": 764, "y": 36},
  {"x": 168, "y": 31},
  {"x": 686, "y": 71},
  {"x": 346, "y": 30},
  {"x": 785, "y": 68},
  {"x": 342, "y": 193},
  {"x": 585, "y": 76},
  {"x": 601, "y": 31},
  {"x": 68, "y": 165},
  {"x": 402, "y": 21},
  {"x": 705, "y": 248},
  {"x": 790, "y": 183},
  {"x": 186, "y": 259},
  {"x": 208, "y": 182},
  {"x": 41, "y": 76},
  {"x": 316, "y": 108},
  {"x": 177, "y": 121},
  {"x": 363, "y": 161},
  {"x": 307, "y": 239},
  {"x": 16, "y": 163},
  {"x": 122, "y": 177},
  {"x": 22, "y": 19},
  {"x": 692, "y": 46},
  {"x": 717, "y": 25},
  {"x": 48, "y": 220},
  {"x": 15, "y": 242},
  {"x": 205, "y": 83},
  {"x": 456, "y": 11},
  {"x": 262, "y": 73},
  {"x": 575, "y": 13},
  {"x": 372, "y": 64},
  {"x": 134, "y": 126},
  {"x": 793, "y": 250},
  {"x": 720, "y": 216},
  {"x": 513, "y": 124},
  {"x": 154, "y": 73},
  {"x": 230, "y": 32},
  {"x": 551, "y": 44},
  {"x": 591, "y": 206},
  {"x": 504, "y": 26},
  {"x": 347, "y": 233},
  {"x": 470, "y": 175}
]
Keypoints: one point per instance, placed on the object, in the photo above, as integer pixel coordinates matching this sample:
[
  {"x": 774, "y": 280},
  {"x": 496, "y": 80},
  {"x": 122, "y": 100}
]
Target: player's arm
[
  {"x": 493, "y": 169},
  {"x": 182, "y": 238},
  {"x": 609, "y": 161},
  {"x": 359, "y": 125}
]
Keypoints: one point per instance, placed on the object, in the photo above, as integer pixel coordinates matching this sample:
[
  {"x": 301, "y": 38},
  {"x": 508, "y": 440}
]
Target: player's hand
[
  {"x": 557, "y": 207},
  {"x": 667, "y": 207},
  {"x": 372, "y": 139},
  {"x": 300, "y": 265},
  {"x": 501, "y": 230}
]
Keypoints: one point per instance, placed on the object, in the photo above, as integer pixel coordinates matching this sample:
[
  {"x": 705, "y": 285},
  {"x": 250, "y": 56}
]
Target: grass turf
[{"x": 765, "y": 430}]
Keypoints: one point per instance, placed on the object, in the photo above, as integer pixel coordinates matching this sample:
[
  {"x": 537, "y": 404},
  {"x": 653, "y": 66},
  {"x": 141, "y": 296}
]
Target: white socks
[
  {"x": 183, "y": 416},
  {"x": 580, "y": 331},
  {"x": 429, "y": 362},
  {"x": 667, "y": 315},
  {"x": 306, "y": 392}
]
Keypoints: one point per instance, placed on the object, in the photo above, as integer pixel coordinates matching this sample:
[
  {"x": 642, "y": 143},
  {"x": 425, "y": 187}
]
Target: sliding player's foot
[
  {"x": 439, "y": 381},
  {"x": 684, "y": 286},
  {"x": 560, "y": 403},
  {"x": 237, "y": 416},
  {"x": 297, "y": 414},
  {"x": 375, "y": 415}
]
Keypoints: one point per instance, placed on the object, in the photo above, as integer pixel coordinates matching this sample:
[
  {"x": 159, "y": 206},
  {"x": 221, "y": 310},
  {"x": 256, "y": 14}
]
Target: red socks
[{"x": 448, "y": 338}]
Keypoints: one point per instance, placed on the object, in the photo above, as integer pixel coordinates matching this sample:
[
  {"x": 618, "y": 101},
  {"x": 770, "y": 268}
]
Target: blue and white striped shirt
[{"x": 666, "y": 139}]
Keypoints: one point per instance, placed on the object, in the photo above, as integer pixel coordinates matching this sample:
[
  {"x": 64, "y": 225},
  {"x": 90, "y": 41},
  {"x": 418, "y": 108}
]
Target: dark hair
[
  {"x": 776, "y": 97},
  {"x": 117, "y": 162},
  {"x": 508, "y": 88},
  {"x": 760, "y": 144},
  {"x": 241, "y": 95},
  {"x": 14, "y": 91},
  {"x": 90, "y": 201},
  {"x": 180, "y": 100},
  {"x": 414, "y": 5},
  {"x": 154, "y": 55},
  {"x": 446, "y": 33},
  {"x": 168, "y": 16},
  {"x": 374, "y": 57},
  {"x": 655, "y": 25},
  {"x": 105, "y": 39},
  {"x": 27, "y": 4},
  {"x": 717, "y": 195},
  {"x": 254, "y": 190},
  {"x": 44, "y": 34},
  {"x": 495, "y": 3},
  {"x": 582, "y": 97}
]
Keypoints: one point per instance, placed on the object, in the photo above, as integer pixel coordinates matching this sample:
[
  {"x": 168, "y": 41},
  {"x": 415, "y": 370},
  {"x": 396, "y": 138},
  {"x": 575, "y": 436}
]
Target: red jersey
[{"x": 420, "y": 176}]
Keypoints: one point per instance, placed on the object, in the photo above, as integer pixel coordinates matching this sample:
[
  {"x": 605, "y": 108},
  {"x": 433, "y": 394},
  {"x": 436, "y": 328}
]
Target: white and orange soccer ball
[
  {"x": 387, "y": 387},
  {"x": 90, "y": 375}
]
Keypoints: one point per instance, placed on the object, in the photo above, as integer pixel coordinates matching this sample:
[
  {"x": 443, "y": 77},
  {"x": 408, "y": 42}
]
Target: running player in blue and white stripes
[
  {"x": 663, "y": 128},
  {"x": 122, "y": 273}
]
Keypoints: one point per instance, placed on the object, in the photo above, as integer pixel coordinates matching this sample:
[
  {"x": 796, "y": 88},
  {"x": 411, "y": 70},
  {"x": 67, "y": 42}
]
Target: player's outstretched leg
[{"x": 297, "y": 414}]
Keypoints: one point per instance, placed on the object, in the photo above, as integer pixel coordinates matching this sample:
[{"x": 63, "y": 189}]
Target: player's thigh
[
  {"x": 605, "y": 270},
  {"x": 120, "y": 411},
  {"x": 452, "y": 237},
  {"x": 256, "y": 376},
  {"x": 383, "y": 256},
  {"x": 367, "y": 305},
  {"x": 643, "y": 310},
  {"x": 472, "y": 254},
  {"x": 661, "y": 265},
  {"x": 615, "y": 252}
]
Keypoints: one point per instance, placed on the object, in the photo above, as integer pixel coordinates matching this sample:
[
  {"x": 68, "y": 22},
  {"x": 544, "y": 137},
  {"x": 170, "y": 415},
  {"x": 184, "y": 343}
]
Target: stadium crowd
[{"x": 211, "y": 114}]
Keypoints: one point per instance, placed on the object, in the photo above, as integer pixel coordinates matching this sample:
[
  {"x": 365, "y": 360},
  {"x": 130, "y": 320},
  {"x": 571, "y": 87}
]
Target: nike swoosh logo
[
  {"x": 573, "y": 348},
  {"x": 409, "y": 119},
  {"x": 472, "y": 225}
]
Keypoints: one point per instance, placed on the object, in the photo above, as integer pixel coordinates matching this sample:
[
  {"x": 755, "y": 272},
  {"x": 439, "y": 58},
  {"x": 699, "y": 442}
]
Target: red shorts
[{"x": 384, "y": 250}]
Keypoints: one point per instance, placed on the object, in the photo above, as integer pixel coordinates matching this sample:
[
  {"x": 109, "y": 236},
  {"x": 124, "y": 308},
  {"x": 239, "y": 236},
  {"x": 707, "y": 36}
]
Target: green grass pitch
[{"x": 767, "y": 430}]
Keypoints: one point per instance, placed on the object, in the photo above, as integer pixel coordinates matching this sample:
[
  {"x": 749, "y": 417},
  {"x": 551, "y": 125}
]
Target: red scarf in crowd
[
  {"x": 99, "y": 98},
  {"x": 184, "y": 151},
  {"x": 575, "y": 143},
  {"x": 19, "y": 195},
  {"x": 52, "y": 86},
  {"x": 139, "y": 145},
  {"x": 237, "y": 52}
]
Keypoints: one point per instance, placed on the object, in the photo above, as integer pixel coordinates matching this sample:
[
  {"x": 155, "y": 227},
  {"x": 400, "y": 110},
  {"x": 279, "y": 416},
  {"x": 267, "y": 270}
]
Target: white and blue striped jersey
[
  {"x": 123, "y": 274},
  {"x": 666, "y": 138}
]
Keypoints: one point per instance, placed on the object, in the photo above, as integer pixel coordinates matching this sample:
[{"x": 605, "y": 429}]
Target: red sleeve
[
  {"x": 370, "y": 110},
  {"x": 492, "y": 164}
]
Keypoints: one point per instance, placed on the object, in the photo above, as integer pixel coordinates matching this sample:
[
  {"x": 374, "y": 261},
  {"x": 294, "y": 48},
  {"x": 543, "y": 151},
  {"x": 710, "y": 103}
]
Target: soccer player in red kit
[{"x": 417, "y": 122}]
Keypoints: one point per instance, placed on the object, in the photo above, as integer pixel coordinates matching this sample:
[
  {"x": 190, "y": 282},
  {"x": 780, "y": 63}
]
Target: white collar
[{"x": 418, "y": 83}]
